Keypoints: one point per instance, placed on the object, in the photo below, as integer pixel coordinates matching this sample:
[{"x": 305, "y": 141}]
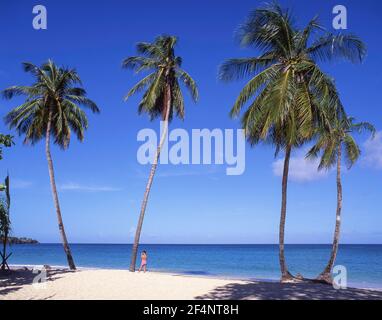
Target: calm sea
[{"x": 363, "y": 262}]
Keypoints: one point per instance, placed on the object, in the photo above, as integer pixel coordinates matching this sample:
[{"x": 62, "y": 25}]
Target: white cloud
[
  {"x": 373, "y": 151},
  {"x": 87, "y": 188},
  {"x": 300, "y": 169}
]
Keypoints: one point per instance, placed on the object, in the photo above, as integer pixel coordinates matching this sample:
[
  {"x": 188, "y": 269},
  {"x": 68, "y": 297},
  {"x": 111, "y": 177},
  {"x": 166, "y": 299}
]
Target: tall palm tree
[
  {"x": 331, "y": 145},
  {"x": 51, "y": 109},
  {"x": 163, "y": 97},
  {"x": 287, "y": 86}
]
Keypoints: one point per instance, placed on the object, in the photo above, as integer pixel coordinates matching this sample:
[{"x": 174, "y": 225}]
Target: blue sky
[{"x": 100, "y": 181}]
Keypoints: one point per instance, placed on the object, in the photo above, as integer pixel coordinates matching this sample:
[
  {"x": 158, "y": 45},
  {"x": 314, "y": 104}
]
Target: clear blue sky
[{"x": 100, "y": 182}]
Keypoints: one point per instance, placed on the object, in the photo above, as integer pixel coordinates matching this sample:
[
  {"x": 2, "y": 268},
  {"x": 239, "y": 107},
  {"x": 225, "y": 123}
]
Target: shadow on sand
[
  {"x": 289, "y": 291},
  {"x": 13, "y": 280}
]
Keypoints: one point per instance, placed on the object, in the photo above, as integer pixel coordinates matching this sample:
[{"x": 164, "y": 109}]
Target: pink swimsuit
[{"x": 144, "y": 261}]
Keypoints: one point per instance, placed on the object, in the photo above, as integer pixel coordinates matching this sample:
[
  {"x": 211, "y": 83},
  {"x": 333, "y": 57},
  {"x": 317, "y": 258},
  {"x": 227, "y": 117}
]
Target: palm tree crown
[
  {"x": 165, "y": 68},
  {"x": 288, "y": 87},
  {"x": 340, "y": 136},
  {"x": 51, "y": 109},
  {"x": 53, "y": 96}
]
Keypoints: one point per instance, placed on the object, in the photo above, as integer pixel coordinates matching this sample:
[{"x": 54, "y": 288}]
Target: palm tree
[
  {"x": 163, "y": 97},
  {"x": 332, "y": 144},
  {"x": 51, "y": 109},
  {"x": 287, "y": 86}
]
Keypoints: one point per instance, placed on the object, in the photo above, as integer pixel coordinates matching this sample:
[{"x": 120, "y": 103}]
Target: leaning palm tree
[
  {"x": 331, "y": 145},
  {"x": 288, "y": 88},
  {"x": 51, "y": 109},
  {"x": 163, "y": 97}
]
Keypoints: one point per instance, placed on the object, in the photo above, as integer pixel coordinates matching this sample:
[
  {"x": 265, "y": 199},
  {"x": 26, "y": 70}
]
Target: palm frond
[
  {"x": 352, "y": 151},
  {"x": 141, "y": 85},
  {"x": 268, "y": 28},
  {"x": 189, "y": 83},
  {"x": 253, "y": 86},
  {"x": 340, "y": 46},
  {"x": 242, "y": 67},
  {"x": 159, "y": 58},
  {"x": 364, "y": 126},
  {"x": 54, "y": 92}
]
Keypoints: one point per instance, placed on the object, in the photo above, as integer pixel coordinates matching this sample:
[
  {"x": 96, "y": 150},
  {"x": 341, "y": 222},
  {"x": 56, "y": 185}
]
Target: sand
[{"x": 122, "y": 284}]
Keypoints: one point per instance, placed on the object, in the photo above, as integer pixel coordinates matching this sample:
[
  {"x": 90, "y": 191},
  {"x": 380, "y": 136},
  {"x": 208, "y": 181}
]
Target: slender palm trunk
[
  {"x": 167, "y": 102},
  {"x": 326, "y": 274},
  {"x": 285, "y": 275},
  {"x": 55, "y": 196}
]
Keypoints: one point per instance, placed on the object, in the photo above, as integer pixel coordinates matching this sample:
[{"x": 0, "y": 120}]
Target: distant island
[{"x": 21, "y": 240}]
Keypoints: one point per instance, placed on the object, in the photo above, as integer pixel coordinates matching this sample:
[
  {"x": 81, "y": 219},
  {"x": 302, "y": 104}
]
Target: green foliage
[
  {"x": 288, "y": 93},
  {"x": 54, "y": 91},
  {"x": 158, "y": 58},
  {"x": 5, "y": 141},
  {"x": 339, "y": 137}
]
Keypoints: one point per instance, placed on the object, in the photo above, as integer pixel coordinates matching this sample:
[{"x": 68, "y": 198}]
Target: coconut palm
[
  {"x": 163, "y": 97},
  {"x": 333, "y": 146},
  {"x": 287, "y": 88},
  {"x": 51, "y": 110}
]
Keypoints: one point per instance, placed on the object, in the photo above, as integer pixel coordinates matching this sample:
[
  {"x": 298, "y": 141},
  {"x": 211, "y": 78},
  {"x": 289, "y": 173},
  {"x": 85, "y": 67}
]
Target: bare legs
[{"x": 142, "y": 267}]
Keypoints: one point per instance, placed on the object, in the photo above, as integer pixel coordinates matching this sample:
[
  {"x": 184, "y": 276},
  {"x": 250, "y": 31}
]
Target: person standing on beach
[{"x": 143, "y": 261}]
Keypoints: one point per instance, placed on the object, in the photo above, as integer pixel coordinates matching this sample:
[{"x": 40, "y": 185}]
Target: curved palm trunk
[
  {"x": 55, "y": 196},
  {"x": 285, "y": 275},
  {"x": 326, "y": 274},
  {"x": 150, "y": 181}
]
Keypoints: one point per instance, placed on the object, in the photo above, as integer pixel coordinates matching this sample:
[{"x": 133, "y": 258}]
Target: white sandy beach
[{"x": 122, "y": 284}]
